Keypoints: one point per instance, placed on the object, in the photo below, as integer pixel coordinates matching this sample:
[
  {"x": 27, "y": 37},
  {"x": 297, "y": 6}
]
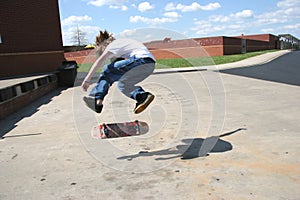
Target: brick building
[
  {"x": 30, "y": 37},
  {"x": 272, "y": 41},
  {"x": 212, "y": 46}
]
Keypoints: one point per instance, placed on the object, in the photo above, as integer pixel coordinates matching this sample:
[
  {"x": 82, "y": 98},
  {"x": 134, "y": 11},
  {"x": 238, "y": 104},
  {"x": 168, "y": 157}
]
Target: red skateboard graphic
[{"x": 115, "y": 130}]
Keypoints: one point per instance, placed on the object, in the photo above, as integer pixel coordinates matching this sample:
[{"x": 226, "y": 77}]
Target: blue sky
[{"x": 190, "y": 18}]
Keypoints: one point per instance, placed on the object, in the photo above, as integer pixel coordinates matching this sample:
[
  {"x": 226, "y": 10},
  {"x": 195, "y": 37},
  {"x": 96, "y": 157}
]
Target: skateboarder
[{"x": 131, "y": 63}]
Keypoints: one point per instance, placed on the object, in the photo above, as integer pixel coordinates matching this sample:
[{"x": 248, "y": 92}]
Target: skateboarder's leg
[
  {"x": 128, "y": 72},
  {"x": 106, "y": 79},
  {"x": 128, "y": 83},
  {"x": 110, "y": 73}
]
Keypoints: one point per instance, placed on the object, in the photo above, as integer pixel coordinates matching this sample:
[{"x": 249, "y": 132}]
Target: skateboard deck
[{"x": 115, "y": 130}]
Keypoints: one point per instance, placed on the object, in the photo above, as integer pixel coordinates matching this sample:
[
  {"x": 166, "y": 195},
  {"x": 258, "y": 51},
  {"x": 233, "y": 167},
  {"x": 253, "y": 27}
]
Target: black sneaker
[
  {"x": 91, "y": 103},
  {"x": 143, "y": 101}
]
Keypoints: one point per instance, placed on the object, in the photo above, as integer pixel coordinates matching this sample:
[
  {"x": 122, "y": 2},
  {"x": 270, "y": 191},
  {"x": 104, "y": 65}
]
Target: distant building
[
  {"x": 212, "y": 46},
  {"x": 30, "y": 37}
]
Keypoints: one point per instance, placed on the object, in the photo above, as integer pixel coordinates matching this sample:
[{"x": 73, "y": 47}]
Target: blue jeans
[{"x": 128, "y": 73}]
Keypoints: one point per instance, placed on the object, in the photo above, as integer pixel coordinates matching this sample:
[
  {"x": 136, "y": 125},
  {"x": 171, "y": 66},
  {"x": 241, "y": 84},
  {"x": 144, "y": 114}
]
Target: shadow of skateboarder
[{"x": 192, "y": 148}]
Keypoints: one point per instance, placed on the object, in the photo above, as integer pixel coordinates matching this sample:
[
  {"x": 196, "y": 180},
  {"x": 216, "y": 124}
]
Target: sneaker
[
  {"x": 143, "y": 101},
  {"x": 91, "y": 103}
]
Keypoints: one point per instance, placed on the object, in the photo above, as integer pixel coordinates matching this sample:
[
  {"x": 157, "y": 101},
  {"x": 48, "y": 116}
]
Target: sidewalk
[
  {"x": 48, "y": 152},
  {"x": 256, "y": 60}
]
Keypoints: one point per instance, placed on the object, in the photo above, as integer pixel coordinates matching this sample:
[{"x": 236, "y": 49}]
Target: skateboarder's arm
[{"x": 97, "y": 64}]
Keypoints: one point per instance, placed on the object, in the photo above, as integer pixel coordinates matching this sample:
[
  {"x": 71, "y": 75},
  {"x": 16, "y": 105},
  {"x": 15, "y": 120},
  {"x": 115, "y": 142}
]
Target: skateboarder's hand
[{"x": 85, "y": 85}]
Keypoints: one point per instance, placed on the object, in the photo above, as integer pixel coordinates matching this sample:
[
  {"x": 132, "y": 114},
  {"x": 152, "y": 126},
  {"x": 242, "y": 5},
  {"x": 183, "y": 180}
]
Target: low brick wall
[
  {"x": 81, "y": 57},
  {"x": 188, "y": 52},
  {"x": 16, "y": 97}
]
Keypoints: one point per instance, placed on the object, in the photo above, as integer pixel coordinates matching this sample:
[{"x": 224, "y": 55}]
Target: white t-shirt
[{"x": 126, "y": 48}]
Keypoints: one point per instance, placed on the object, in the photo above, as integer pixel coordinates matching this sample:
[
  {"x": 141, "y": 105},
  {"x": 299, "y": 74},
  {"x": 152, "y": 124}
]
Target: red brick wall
[
  {"x": 261, "y": 37},
  {"x": 232, "y": 45},
  {"x": 29, "y": 27},
  {"x": 85, "y": 56},
  {"x": 273, "y": 41},
  {"x": 189, "y": 48},
  {"x": 188, "y": 52},
  {"x": 171, "y": 44},
  {"x": 255, "y": 45},
  {"x": 212, "y": 45},
  {"x": 211, "y": 41}
]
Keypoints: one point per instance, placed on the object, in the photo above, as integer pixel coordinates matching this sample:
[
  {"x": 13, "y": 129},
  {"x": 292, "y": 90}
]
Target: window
[{"x": 0, "y": 39}]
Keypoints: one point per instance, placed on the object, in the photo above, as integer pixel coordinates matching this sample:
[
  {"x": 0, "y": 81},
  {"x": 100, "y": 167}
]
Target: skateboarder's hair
[
  {"x": 102, "y": 36},
  {"x": 102, "y": 40}
]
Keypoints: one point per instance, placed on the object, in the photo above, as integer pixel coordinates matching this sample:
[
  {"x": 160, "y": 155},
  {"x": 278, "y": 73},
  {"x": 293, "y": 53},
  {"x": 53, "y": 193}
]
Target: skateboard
[{"x": 115, "y": 130}]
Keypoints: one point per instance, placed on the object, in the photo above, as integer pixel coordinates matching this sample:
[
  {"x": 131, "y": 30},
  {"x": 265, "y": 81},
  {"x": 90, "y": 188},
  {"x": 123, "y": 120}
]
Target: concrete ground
[{"x": 229, "y": 134}]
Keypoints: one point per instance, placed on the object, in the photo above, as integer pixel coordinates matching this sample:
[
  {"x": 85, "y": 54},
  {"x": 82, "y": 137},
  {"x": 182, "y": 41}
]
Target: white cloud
[
  {"x": 100, "y": 3},
  {"x": 122, "y": 7},
  {"x": 292, "y": 11},
  {"x": 231, "y": 24},
  {"x": 233, "y": 18},
  {"x": 219, "y": 30},
  {"x": 189, "y": 8},
  {"x": 135, "y": 19},
  {"x": 244, "y": 14},
  {"x": 287, "y": 12},
  {"x": 128, "y": 32},
  {"x": 145, "y": 6},
  {"x": 202, "y": 27},
  {"x": 293, "y": 27},
  {"x": 269, "y": 21},
  {"x": 288, "y": 4},
  {"x": 219, "y": 18},
  {"x": 75, "y": 20},
  {"x": 172, "y": 14},
  {"x": 270, "y": 18},
  {"x": 211, "y": 6},
  {"x": 267, "y": 30},
  {"x": 143, "y": 34},
  {"x": 282, "y": 19},
  {"x": 215, "y": 26},
  {"x": 153, "y": 21},
  {"x": 193, "y": 7},
  {"x": 170, "y": 6}
]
